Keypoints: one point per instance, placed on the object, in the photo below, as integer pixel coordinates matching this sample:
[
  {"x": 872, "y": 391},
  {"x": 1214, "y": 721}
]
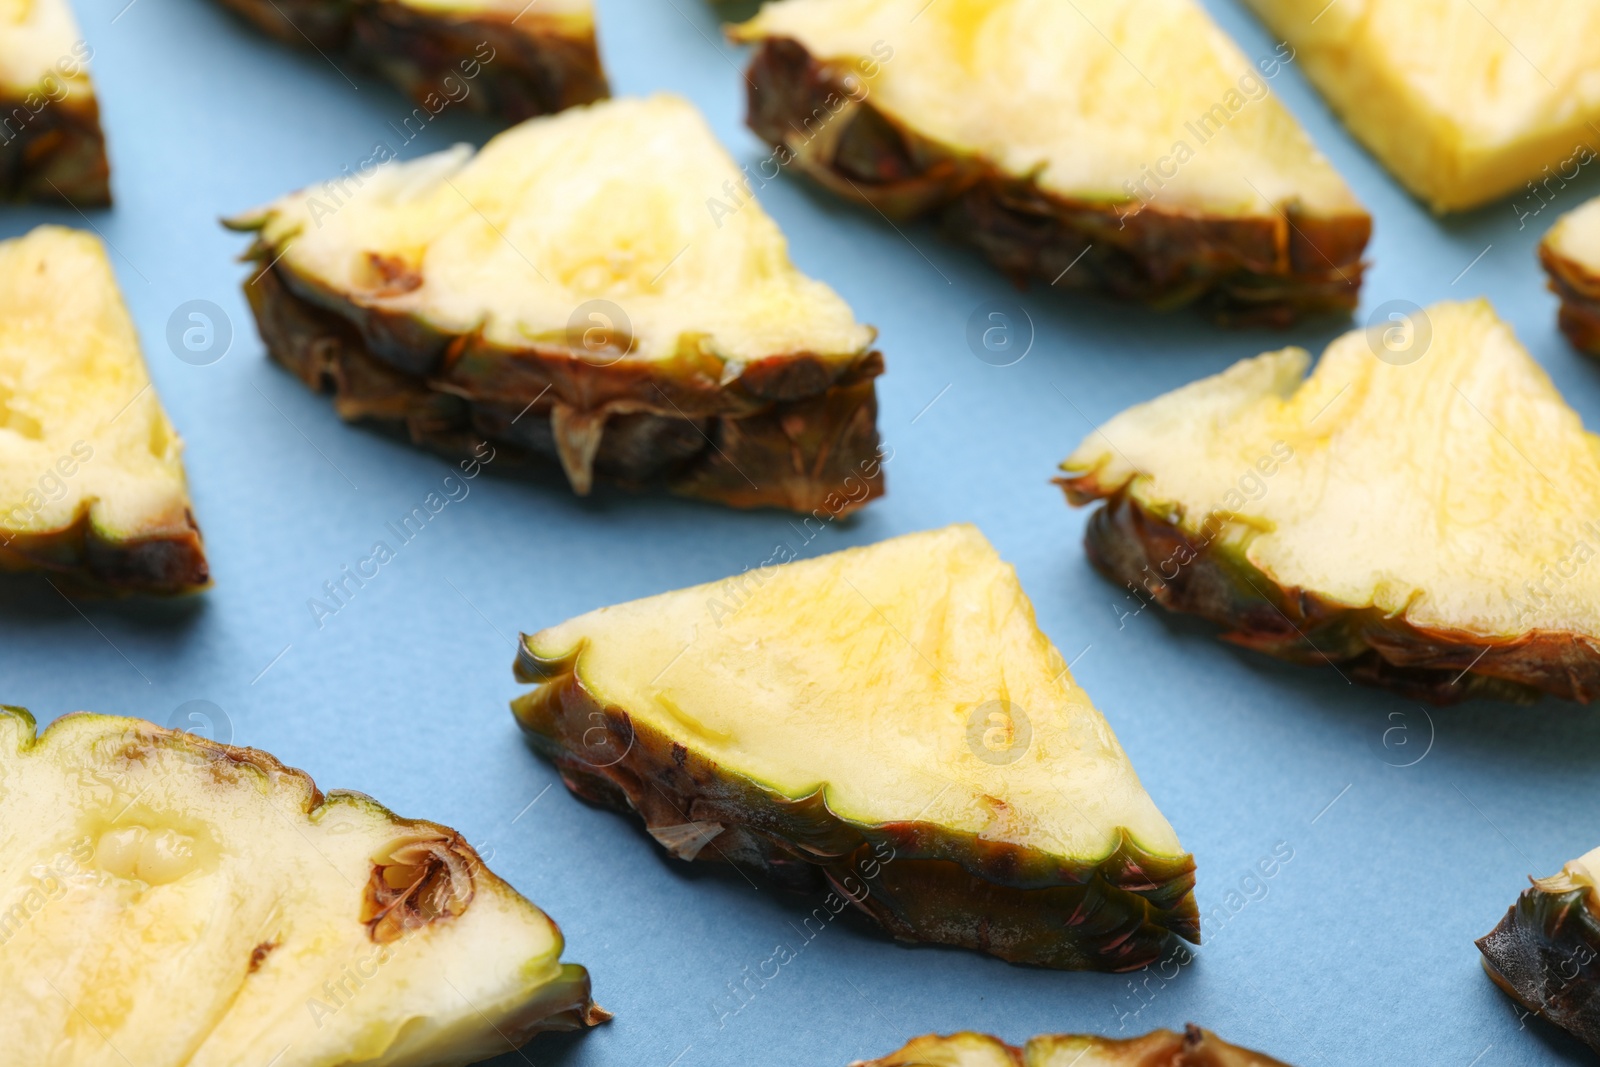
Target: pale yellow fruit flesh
[
  {"x": 862, "y": 673},
  {"x": 1458, "y": 491},
  {"x": 1576, "y": 236},
  {"x": 81, "y": 429},
  {"x": 1083, "y": 97},
  {"x": 610, "y": 201},
  {"x": 41, "y": 52},
  {"x": 1463, "y": 102},
  {"x": 162, "y": 905}
]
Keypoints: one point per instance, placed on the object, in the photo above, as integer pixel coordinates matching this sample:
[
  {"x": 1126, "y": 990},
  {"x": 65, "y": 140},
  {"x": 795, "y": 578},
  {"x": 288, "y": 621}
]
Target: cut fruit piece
[
  {"x": 567, "y": 292},
  {"x": 1127, "y": 146},
  {"x": 1546, "y": 952},
  {"x": 1570, "y": 253},
  {"x": 1192, "y": 1048},
  {"x": 176, "y": 901},
  {"x": 1418, "y": 512},
  {"x": 886, "y": 720},
  {"x": 91, "y": 472},
  {"x": 1463, "y": 103},
  {"x": 51, "y": 147},
  {"x": 511, "y": 59}
]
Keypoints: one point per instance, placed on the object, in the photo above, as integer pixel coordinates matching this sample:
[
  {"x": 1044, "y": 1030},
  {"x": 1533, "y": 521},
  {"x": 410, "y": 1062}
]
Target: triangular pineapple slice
[
  {"x": 512, "y": 59},
  {"x": 1570, "y": 253},
  {"x": 51, "y": 147},
  {"x": 171, "y": 901},
  {"x": 1462, "y": 102},
  {"x": 568, "y": 292},
  {"x": 1420, "y": 511},
  {"x": 1122, "y": 144},
  {"x": 91, "y": 471},
  {"x": 1192, "y": 1048},
  {"x": 889, "y": 717},
  {"x": 1546, "y": 951}
]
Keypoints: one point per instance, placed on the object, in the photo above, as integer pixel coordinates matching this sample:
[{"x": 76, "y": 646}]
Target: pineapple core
[{"x": 907, "y": 680}]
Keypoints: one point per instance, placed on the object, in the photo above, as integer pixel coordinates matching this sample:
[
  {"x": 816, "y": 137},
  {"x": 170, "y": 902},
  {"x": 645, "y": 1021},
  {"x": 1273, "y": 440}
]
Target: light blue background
[{"x": 1360, "y": 951}]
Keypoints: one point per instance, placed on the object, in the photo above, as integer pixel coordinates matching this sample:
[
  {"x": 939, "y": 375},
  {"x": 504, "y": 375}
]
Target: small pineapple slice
[
  {"x": 171, "y": 901},
  {"x": 91, "y": 472},
  {"x": 1420, "y": 511},
  {"x": 1546, "y": 951},
  {"x": 512, "y": 59},
  {"x": 1192, "y": 1048},
  {"x": 51, "y": 147},
  {"x": 1121, "y": 144},
  {"x": 567, "y": 291},
  {"x": 1570, "y": 253},
  {"x": 1462, "y": 102},
  {"x": 888, "y": 718}
]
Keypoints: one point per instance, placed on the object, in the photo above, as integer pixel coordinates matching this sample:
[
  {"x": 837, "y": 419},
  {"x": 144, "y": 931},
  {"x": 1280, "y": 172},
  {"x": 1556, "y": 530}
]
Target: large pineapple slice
[
  {"x": 51, "y": 147},
  {"x": 171, "y": 901},
  {"x": 1419, "y": 511},
  {"x": 1192, "y": 1048},
  {"x": 1462, "y": 102},
  {"x": 91, "y": 471},
  {"x": 1122, "y": 144},
  {"x": 1546, "y": 951},
  {"x": 889, "y": 718},
  {"x": 566, "y": 290},
  {"x": 512, "y": 59},
  {"x": 1570, "y": 253}
]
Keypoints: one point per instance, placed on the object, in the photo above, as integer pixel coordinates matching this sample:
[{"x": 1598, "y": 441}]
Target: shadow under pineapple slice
[
  {"x": 1570, "y": 254},
  {"x": 510, "y": 59},
  {"x": 886, "y": 720},
  {"x": 91, "y": 473},
  {"x": 51, "y": 147},
  {"x": 176, "y": 901},
  {"x": 1545, "y": 953},
  {"x": 1420, "y": 511},
  {"x": 1500, "y": 96},
  {"x": 1192, "y": 1048},
  {"x": 1128, "y": 147},
  {"x": 566, "y": 292}
]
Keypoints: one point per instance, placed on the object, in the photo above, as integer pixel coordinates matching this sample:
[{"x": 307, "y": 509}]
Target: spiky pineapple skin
[
  {"x": 536, "y": 67},
  {"x": 1192, "y": 1048},
  {"x": 168, "y": 559},
  {"x": 920, "y": 882},
  {"x": 1579, "y": 290},
  {"x": 1135, "y": 548},
  {"x": 59, "y": 156},
  {"x": 1545, "y": 955},
  {"x": 791, "y": 432},
  {"x": 1237, "y": 271}
]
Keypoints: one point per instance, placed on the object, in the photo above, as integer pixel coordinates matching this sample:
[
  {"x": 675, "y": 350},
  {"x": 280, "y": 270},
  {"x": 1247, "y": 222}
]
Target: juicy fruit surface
[
  {"x": 907, "y": 681},
  {"x": 1455, "y": 491},
  {"x": 34, "y": 36},
  {"x": 1462, "y": 102},
  {"x": 1192, "y": 1048},
  {"x": 1576, "y": 236},
  {"x": 1028, "y": 84},
  {"x": 82, "y": 433},
  {"x": 165, "y": 900},
  {"x": 605, "y": 202}
]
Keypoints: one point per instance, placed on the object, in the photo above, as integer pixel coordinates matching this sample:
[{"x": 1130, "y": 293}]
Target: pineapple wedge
[
  {"x": 171, "y": 901},
  {"x": 1463, "y": 103},
  {"x": 1125, "y": 145},
  {"x": 566, "y": 291},
  {"x": 511, "y": 59},
  {"x": 51, "y": 147},
  {"x": 91, "y": 472},
  {"x": 1192, "y": 1048},
  {"x": 1570, "y": 253},
  {"x": 1546, "y": 951},
  {"x": 888, "y": 721},
  {"x": 1418, "y": 512}
]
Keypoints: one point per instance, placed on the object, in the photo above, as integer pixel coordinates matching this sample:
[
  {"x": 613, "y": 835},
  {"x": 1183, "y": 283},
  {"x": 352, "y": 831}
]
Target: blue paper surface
[{"x": 1357, "y": 951}]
